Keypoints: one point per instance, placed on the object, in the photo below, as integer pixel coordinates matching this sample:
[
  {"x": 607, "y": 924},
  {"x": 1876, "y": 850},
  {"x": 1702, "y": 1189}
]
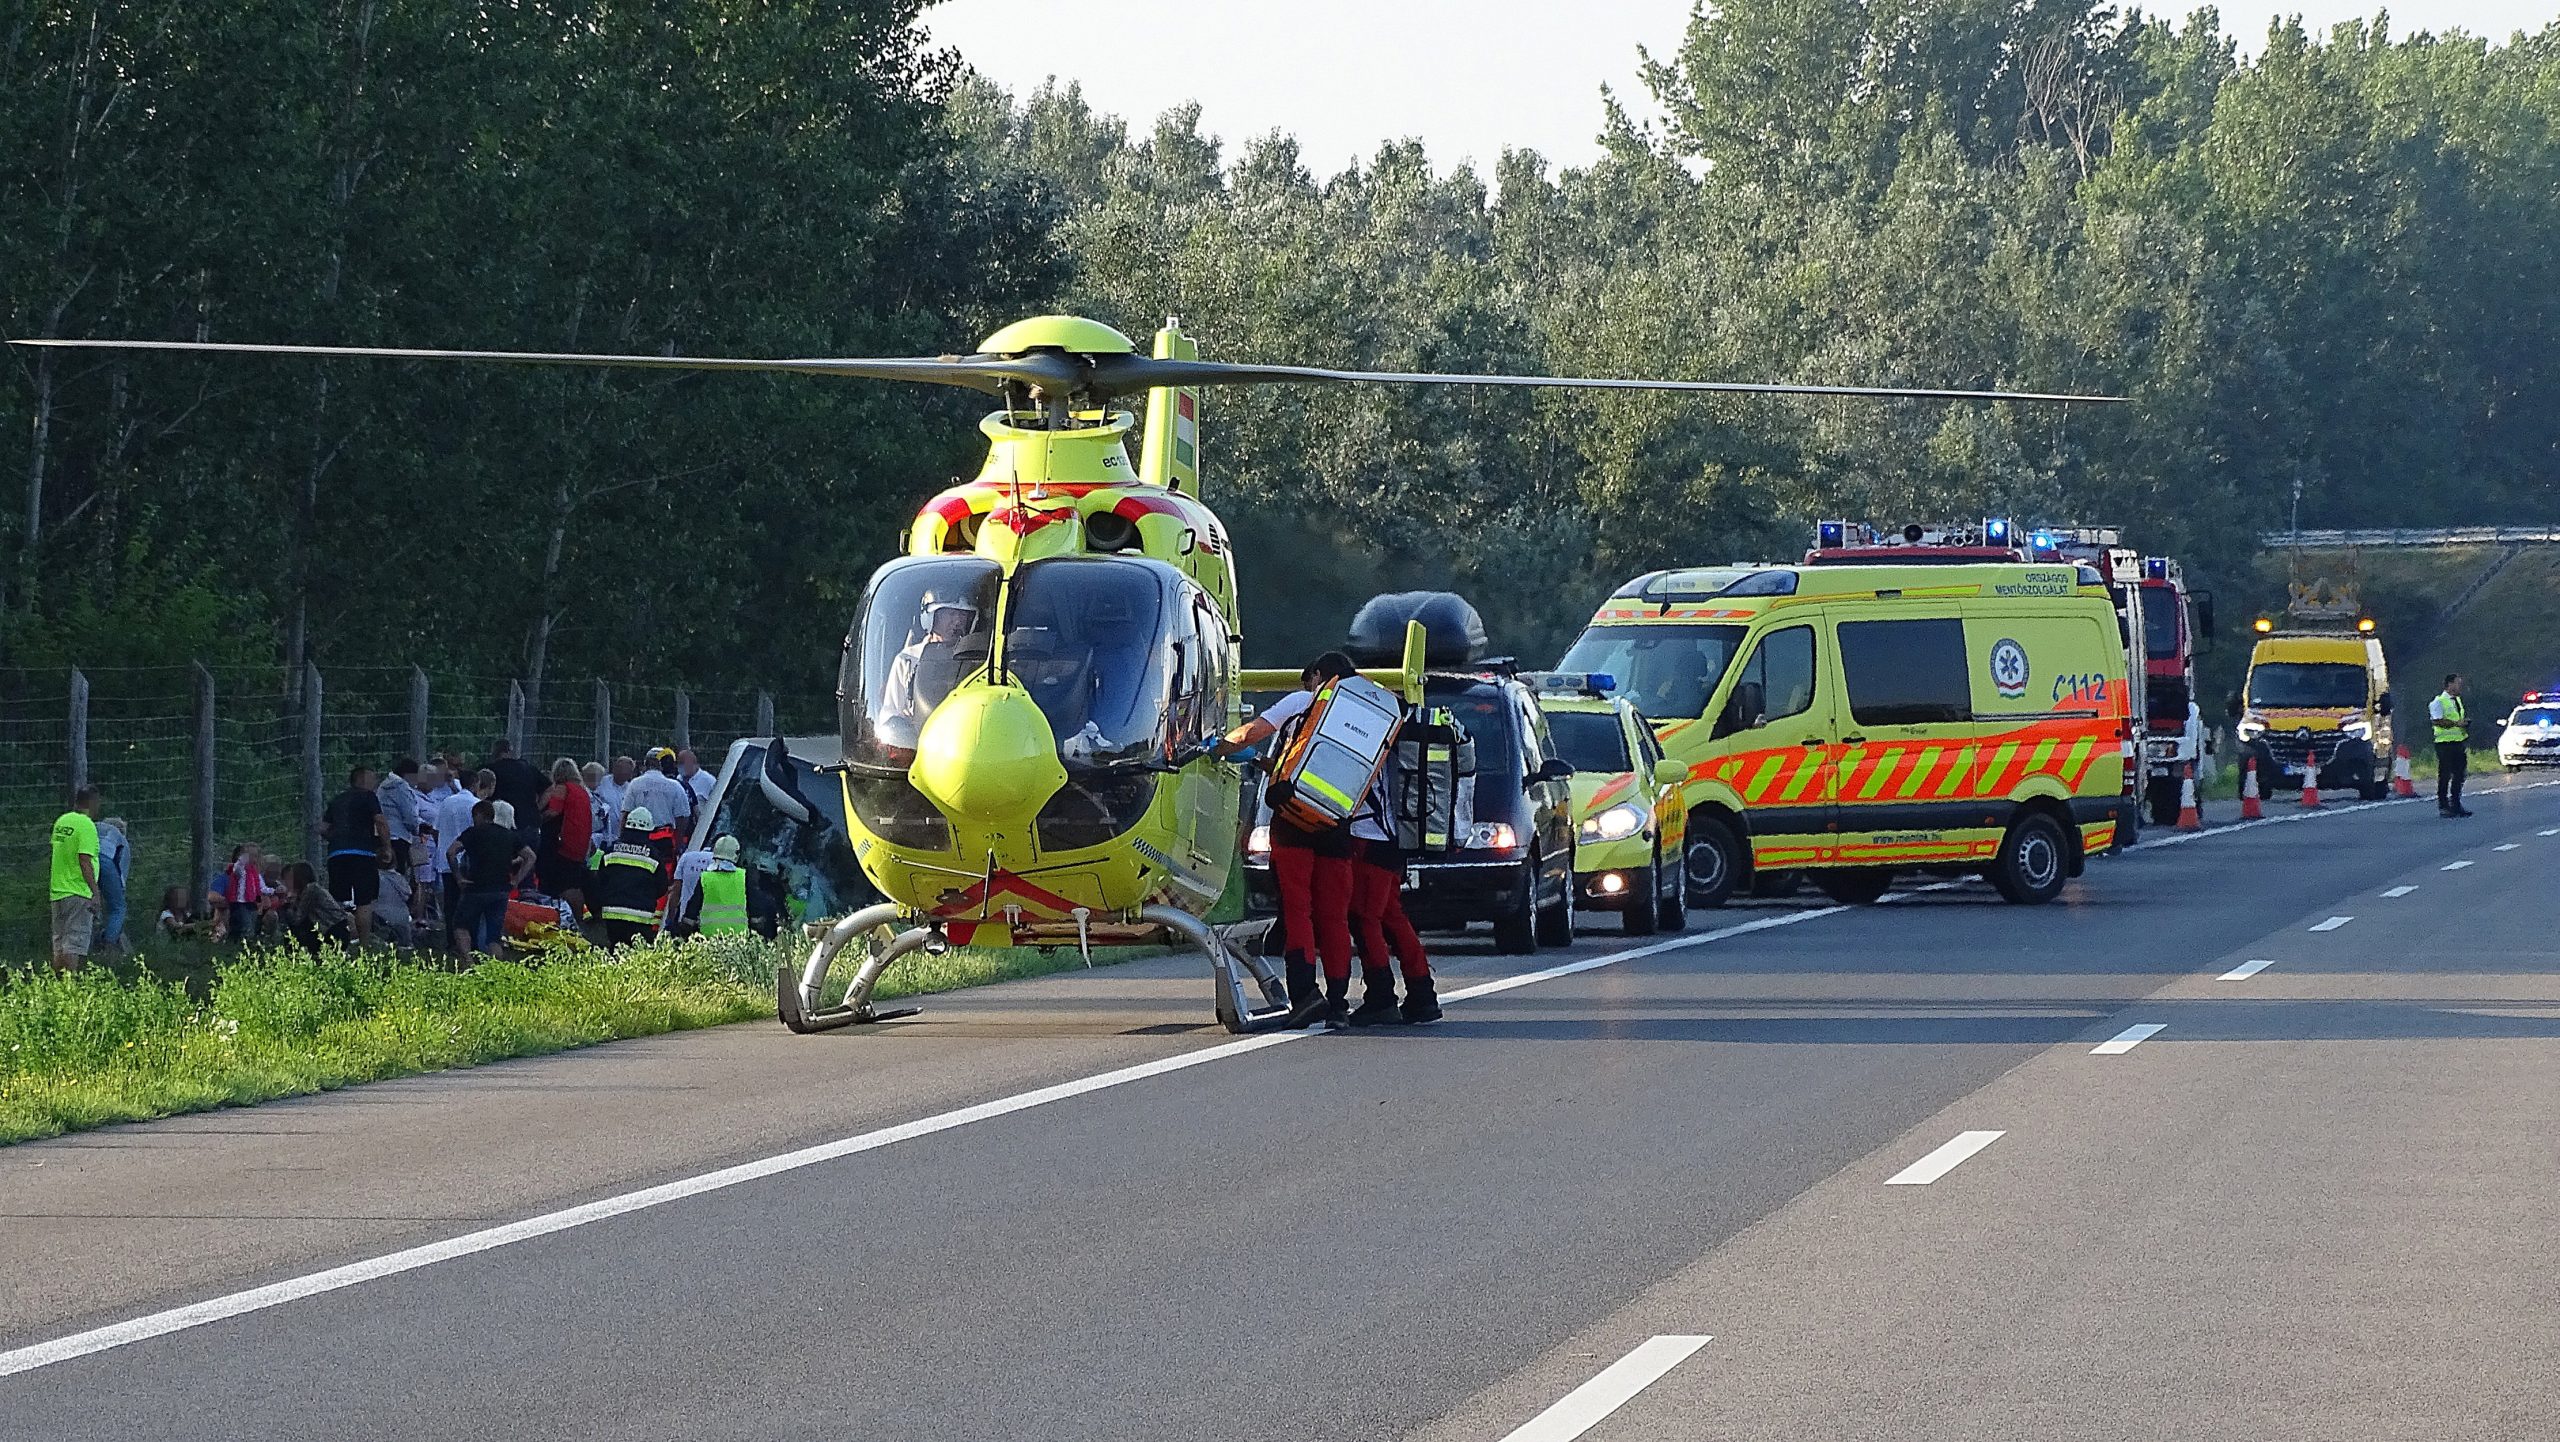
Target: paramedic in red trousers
[
  {"x": 1379, "y": 927},
  {"x": 1311, "y": 868}
]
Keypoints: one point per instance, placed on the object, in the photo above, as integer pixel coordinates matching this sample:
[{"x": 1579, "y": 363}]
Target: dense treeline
[{"x": 2328, "y": 268}]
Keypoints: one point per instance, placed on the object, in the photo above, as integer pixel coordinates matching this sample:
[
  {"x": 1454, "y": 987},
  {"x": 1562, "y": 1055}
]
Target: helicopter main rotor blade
[
  {"x": 1049, "y": 370},
  {"x": 1122, "y": 375}
]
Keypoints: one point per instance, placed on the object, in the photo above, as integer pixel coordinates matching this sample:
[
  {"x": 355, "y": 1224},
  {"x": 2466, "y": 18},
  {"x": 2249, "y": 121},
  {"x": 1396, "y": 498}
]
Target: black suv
[{"x": 1515, "y": 868}]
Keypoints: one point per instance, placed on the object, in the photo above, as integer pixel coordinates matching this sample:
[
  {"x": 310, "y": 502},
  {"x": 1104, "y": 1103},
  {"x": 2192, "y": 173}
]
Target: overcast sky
[{"x": 1469, "y": 77}]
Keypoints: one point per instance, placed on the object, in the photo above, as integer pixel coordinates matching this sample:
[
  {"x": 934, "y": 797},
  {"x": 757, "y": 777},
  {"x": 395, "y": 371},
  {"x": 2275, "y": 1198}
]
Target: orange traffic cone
[
  {"x": 2250, "y": 807},
  {"x": 2189, "y": 818},
  {"x": 2311, "y": 783},
  {"x": 2401, "y": 784}
]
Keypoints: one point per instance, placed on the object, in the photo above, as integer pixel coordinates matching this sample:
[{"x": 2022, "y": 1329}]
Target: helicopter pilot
[{"x": 926, "y": 669}]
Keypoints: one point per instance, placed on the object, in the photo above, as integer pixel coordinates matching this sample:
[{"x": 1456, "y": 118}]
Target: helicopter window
[
  {"x": 1091, "y": 640},
  {"x": 1204, "y": 690},
  {"x": 926, "y": 626},
  {"x": 1667, "y": 671}
]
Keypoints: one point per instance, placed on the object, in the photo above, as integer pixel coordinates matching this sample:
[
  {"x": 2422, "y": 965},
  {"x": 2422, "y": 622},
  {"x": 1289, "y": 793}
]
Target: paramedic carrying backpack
[
  {"x": 1431, "y": 783},
  {"x": 1332, "y": 755}
]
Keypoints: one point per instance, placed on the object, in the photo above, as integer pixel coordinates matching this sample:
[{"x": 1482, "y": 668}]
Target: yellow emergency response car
[
  {"x": 2318, "y": 703},
  {"x": 1863, "y": 721},
  {"x": 1629, "y": 821}
]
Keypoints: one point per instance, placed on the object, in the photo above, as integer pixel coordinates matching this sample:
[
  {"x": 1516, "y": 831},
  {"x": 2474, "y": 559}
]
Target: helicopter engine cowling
[{"x": 987, "y": 755}]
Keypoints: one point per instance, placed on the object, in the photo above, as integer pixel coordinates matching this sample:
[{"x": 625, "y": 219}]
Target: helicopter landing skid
[
  {"x": 1237, "y": 1011},
  {"x": 799, "y": 1000}
]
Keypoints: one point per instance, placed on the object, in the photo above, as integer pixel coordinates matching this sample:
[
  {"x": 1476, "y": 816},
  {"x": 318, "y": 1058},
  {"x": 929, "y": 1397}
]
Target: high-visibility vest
[
  {"x": 628, "y": 886},
  {"x": 2454, "y": 725},
  {"x": 724, "y": 899}
]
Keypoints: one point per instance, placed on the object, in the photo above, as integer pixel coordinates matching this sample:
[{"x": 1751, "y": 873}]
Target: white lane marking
[
  {"x": 2506, "y": 846},
  {"x": 2225, "y": 828},
  {"x": 2246, "y": 969},
  {"x": 2453, "y": 866},
  {"x": 1581, "y": 1409},
  {"x": 293, "y": 1289},
  {"x": 2127, "y": 1039},
  {"x": 2399, "y": 891},
  {"x": 1944, "y": 1160},
  {"x": 2548, "y": 831},
  {"x": 2332, "y": 924}
]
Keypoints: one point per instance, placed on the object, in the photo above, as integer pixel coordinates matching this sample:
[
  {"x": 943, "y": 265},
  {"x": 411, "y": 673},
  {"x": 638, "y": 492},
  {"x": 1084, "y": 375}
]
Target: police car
[
  {"x": 1629, "y": 823},
  {"x": 2530, "y": 734}
]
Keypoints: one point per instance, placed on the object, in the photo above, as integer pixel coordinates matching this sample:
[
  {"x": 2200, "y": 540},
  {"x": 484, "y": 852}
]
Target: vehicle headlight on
[
  {"x": 1257, "y": 842},
  {"x": 1492, "y": 836},
  {"x": 2252, "y": 726},
  {"x": 2360, "y": 729},
  {"x": 1615, "y": 824}
]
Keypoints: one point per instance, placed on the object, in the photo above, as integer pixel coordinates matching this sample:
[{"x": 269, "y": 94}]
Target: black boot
[
  {"x": 1377, "y": 1001},
  {"x": 1337, "y": 1004},
  {"x": 1421, "y": 1001},
  {"x": 1306, "y": 992}
]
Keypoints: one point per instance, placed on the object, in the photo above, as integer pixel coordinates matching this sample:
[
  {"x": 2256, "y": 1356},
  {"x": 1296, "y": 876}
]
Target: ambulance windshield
[
  {"x": 1668, "y": 671},
  {"x": 1592, "y": 741},
  {"x": 1087, "y": 637}
]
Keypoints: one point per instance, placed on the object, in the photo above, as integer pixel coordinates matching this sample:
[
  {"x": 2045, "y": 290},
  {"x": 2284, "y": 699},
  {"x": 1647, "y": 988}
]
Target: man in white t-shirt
[
  {"x": 696, "y": 780},
  {"x": 666, "y": 799}
]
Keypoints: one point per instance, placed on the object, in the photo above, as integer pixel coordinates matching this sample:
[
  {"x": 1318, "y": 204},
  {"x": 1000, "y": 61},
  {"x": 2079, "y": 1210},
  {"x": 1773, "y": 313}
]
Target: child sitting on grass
[{"x": 177, "y": 922}]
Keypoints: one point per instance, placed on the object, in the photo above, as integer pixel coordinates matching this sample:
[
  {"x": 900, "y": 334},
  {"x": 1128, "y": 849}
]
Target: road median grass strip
[{"x": 95, "y": 1047}]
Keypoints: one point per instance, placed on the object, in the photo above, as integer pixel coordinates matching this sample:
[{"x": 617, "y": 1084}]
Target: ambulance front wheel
[
  {"x": 1716, "y": 861},
  {"x": 2034, "y": 860}
]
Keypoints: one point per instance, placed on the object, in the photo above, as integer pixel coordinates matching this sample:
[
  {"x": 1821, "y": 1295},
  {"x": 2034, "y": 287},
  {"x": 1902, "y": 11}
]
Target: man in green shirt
[{"x": 75, "y": 879}]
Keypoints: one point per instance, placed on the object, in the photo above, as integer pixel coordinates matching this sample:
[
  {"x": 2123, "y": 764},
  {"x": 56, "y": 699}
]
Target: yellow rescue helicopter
[{"x": 1028, "y": 694}]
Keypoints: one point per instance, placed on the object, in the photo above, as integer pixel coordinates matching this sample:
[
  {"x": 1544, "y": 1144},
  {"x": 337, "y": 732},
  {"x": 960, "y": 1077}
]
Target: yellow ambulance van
[{"x": 1864, "y": 722}]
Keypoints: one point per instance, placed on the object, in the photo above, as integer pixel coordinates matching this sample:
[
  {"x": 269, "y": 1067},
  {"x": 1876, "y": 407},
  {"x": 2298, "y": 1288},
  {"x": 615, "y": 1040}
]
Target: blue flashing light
[
  {"x": 2156, "y": 567},
  {"x": 1995, "y": 531},
  {"x": 1603, "y": 681},
  {"x": 1832, "y": 535},
  {"x": 2044, "y": 540}
]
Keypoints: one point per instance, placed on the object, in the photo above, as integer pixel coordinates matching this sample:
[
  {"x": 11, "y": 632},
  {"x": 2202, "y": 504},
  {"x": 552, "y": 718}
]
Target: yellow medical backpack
[{"x": 1323, "y": 775}]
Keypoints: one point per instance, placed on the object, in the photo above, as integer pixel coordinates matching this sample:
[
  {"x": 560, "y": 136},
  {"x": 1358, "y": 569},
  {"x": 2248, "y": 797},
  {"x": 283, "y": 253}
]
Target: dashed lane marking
[
  {"x": 2332, "y": 924},
  {"x": 1944, "y": 1160},
  {"x": 2247, "y": 969},
  {"x": 2548, "y": 831},
  {"x": 2506, "y": 846},
  {"x": 2127, "y": 1039},
  {"x": 2453, "y": 866},
  {"x": 2399, "y": 891},
  {"x": 1582, "y": 1408}
]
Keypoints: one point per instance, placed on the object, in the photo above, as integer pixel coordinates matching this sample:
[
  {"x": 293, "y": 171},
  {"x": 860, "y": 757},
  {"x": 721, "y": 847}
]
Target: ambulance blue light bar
[
  {"x": 1577, "y": 683},
  {"x": 1995, "y": 531}
]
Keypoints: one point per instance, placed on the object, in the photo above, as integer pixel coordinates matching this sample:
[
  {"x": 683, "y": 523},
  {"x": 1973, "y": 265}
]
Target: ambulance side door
[
  {"x": 1906, "y": 720},
  {"x": 1777, "y": 734}
]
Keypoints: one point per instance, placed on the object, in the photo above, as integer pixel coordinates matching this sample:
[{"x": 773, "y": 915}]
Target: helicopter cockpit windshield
[
  {"x": 926, "y": 625},
  {"x": 1088, "y": 638}
]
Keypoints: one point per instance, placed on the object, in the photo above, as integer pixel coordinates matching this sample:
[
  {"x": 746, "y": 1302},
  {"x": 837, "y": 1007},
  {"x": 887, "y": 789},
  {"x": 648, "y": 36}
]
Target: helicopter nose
[{"x": 986, "y": 754}]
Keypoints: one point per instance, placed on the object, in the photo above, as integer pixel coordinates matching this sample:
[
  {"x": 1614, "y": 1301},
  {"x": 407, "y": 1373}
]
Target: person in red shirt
[{"x": 568, "y": 829}]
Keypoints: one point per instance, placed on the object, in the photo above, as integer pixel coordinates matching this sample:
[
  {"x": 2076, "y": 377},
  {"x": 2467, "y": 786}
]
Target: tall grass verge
[{"x": 93, "y": 1048}]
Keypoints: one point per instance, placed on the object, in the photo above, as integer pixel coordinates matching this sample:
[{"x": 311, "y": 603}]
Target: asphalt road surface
[{"x": 2250, "y": 1136}]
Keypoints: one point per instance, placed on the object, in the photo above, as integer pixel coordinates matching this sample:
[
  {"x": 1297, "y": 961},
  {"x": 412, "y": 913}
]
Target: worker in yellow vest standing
[
  {"x": 75, "y": 879},
  {"x": 2452, "y": 724},
  {"x": 719, "y": 905}
]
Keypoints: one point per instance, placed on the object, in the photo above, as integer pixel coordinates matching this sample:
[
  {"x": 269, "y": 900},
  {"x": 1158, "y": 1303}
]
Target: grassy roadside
[{"x": 195, "y": 1033}]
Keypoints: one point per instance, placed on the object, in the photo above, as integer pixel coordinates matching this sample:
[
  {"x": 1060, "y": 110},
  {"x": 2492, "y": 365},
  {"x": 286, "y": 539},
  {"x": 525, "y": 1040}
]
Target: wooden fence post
[
  {"x": 764, "y": 713},
  {"x": 315, "y": 795},
  {"x": 76, "y": 735},
  {"x": 515, "y": 716},
  {"x": 604, "y": 723},
  {"x": 200, "y": 803},
  {"x": 418, "y": 712}
]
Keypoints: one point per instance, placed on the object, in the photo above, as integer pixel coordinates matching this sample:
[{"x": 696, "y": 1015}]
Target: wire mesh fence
[{"x": 195, "y": 762}]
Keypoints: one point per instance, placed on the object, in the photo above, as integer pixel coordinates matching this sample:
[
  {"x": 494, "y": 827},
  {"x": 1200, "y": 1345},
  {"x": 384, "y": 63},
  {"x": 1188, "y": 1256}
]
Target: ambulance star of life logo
[{"x": 2009, "y": 668}]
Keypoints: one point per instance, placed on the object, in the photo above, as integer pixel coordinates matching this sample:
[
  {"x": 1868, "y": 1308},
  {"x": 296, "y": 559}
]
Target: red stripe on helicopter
[{"x": 982, "y": 893}]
